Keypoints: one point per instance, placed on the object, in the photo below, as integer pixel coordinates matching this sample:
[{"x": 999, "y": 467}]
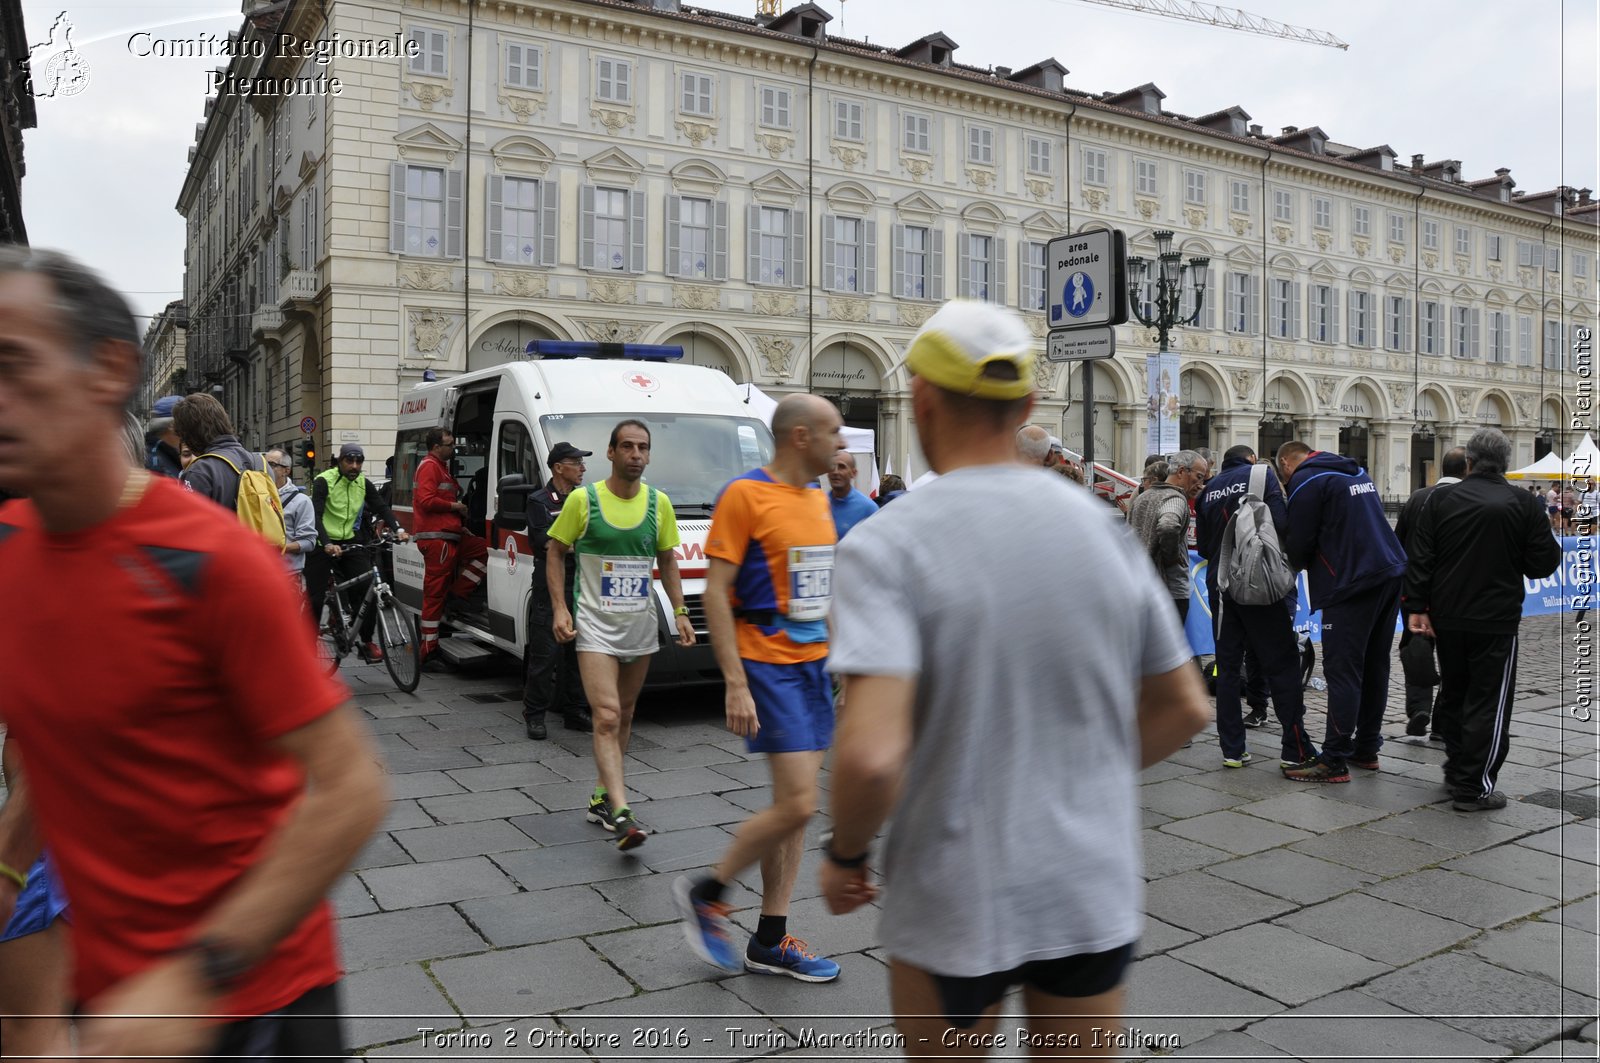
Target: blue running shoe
[
  {"x": 705, "y": 924},
  {"x": 789, "y": 957}
]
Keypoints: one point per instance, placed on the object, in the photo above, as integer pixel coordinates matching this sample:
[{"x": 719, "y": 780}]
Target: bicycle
[{"x": 394, "y": 630}]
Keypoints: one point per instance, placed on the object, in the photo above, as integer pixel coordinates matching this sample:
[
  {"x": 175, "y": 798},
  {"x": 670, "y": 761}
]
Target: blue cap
[{"x": 164, "y": 405}]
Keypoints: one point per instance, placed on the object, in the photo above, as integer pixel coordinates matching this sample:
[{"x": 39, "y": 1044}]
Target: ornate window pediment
[
  {"x": 1043, "y": 223},
  {"x": 917, "y": 207},
  {"x": 1322, "y": 269},
  {"x": 778, "y": 188},
  {"x": 522, "y": 155},
  {"x": 429, "y": 143},
  {"x": 850, "y": 197},
  {"x": 982, "y": 217},
  {"x": 613, "y": 166},
  {"x": 697, "y": 178}
]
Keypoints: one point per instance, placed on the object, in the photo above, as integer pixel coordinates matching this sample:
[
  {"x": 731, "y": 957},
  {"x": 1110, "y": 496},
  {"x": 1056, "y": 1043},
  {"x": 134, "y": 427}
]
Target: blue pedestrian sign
[{"x": 1077, "y": 297}]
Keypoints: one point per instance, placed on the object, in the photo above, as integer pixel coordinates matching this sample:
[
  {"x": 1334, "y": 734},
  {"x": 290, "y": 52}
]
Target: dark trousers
[
  {"x": 550, "y": 676},
  {"x": 1255, "y": 679},
  {"x": 1422, "y": 675},
  {"x": 1269, "y": 631},
  {"x": 320, "y": 570},
  {"x": 1477, "y": 680},
  {"x": 307, "y": 1029},
  {"x": 1357, "y": 634}
]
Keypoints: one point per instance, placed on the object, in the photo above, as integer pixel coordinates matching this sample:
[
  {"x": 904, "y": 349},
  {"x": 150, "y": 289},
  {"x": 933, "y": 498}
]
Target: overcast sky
[{"x": 1489, "y": 83}]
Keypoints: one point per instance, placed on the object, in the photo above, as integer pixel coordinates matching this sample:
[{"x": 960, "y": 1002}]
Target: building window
[
  {"x": 1282, "y": 205},
  {"x": 1492, "y": 247},
  {"x": 1242, "y": 303},
  {"x": 777, "y": 246},
  {"x": 980, "y": 145},
  {"x": 1499, "y": 337},
  {"x": 1324, "y": 314},
  {"x": 610, "y": 227},
  {"x": 613, "y": 80},
  {"x": 1146, "y": 177},
  {"x": 1524, "y": 339},
  {"x": 522, "y": 221},
  {"x": 1039, "y": 156},
  {"x": 697, "y": 238},
  {"x": 425, "y": 211},
  {"x": 849, "y": 255},
  {"x": 1239, "y": 196},
  {"x": 916, "y": 133},
  {"x": 917, "y": 262},
  {"x": 1552, "y": 344},
  {"x": 848, "y": 121},
  {"x": 1464, "y": 332},
  {"x": 1033, "y": 276},
  {"x": 1552, "y": 259},
  {"x": 1397, "y": 228},
  {"x": 1194, "y": 187},
  {"x": 1283, "y": 310},
  {"x": 983, "y": 268},
  {"x": 1360, "y": 332},
  {"x": 774, "y": 107},
  {"x": 1530, "y": 254},
  {"x": 524, "y": 66},
  {"x": 1094, "y": 166},
  {"x": 1360, "y": 221},
  {"x": 1463, "y": 240},
  {"x": 432, "y": 51},
  {"x": 696, "y": 97},
  {"x": 1396, "y": 322},
  {"x": 1580, "y": 264},
  {"x": 1428, "y": 335}
]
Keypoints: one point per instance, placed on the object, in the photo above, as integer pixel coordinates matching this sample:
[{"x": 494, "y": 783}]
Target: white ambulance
[{"x": 506, "y": 419}]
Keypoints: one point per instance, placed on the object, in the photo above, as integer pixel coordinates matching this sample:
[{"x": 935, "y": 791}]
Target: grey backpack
[{"x": 1253, "y": 569}]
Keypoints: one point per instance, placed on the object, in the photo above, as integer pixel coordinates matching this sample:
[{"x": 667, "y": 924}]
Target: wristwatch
[
  {"x": 221, "y": 965},
  {"x": 682, "y": 610},
  {"x": 847, "y": 862}
]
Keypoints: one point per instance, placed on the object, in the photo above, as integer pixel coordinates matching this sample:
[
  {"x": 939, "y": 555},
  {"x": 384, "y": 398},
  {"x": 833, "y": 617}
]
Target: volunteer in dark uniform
[{"x": 552, "y": 669}]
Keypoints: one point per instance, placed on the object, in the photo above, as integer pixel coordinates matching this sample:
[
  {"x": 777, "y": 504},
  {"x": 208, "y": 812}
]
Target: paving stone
[
  {"x": 1231, "y": 1046},
  {"x": 1181, "y": 798},
  {"x": 1550, "y": 951},
  {"x": 684, "y": 782},
  {"x": 682, "y": 850},
  {"x": 1574, "y": 841},
  {"x": 1206, "y": 904},
  {"x": 1254, "y": 783},
  {"x": 691, "y": 1019},
  {"x": 404, "y": 814},
  {"x": 1463, "y": 898},
  {"x": 499, "y": 754},
  {"x": 1169, "y": 997},
  {"x": 1561, "y": 1049},
  {"x": 349, "y": 896},
  {"x": 697, "y": 810},
  {"x": 463, "y": 839},
  {"x": 388, "y": 710},
  {"x": 753, "y": 799},
  {"x": 391, "y": 743},
  {"x": 1148, "y": 819},
  {"x": 1307, "y": 811},
  {"x": 1465, "y": 833},
  {"x": 422, "y": 784},
  {"x": 504, "y": 776},
  {"x": 807, "y": 884},
  {"x": 1167, "y": 769},
  {"x": 397, "y": 725},
  {"x": 1531, "y": 870},
  {"x": 648, "y": 899},
  {"x": 1378, "y": 929},
  {"x": 1387, "y": 793},
  {"x": 561, "y": 796},
  {"x": 546, "y": 915},
  {"x": 862, "y": 989},
  {"x": 381, "y": 851},
  {"x": 655, "y": 957},
  {"x": 1353, "y": 1026},
  {"x": 540, "y": 979},
  {"x": 390, "y": 938},
  {"x": 1373, "y": 851},
  {"x": 1231, "y": 832},
  {"x": 1167, "y": 854},
  {"x": 567, "y": 865},
  {"x": 560, "y": 828},
  {"x": 431, "y": 760},
  {"x": 396, "y": 1001},
  {"x": 1279, "y": 963},
  {"x": 1159, "y": 937},
  {"x": 1292, "y": 876},
  {"x": 692, "y": 757},
  {"x": 454, "y": 738},
  {"x": 1471, "y": 994},
  {"x": 827, "y": 934},
  {"x": 1582, "y": 915},
  {"x": 438, "y": 882},
  {"x": 471, "y": 807}
]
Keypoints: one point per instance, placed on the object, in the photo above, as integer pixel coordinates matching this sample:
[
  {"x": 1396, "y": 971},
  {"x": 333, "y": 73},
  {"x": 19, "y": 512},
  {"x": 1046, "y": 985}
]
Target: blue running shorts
[
  {"x": 794, "y": 705},
  {"x": 40, "y": 903}
]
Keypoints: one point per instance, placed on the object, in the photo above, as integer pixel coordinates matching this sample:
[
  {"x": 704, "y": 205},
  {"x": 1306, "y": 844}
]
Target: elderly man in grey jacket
[
  {"x": 1160, "y": 518},
  {"x": 299, "y": 519}
]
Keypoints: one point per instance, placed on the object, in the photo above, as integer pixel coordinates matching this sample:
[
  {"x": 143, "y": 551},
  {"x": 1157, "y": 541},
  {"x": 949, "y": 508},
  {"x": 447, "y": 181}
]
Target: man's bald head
[
  {"x": 799, "y": 411},
  {"x": 805, "y": 429},
  {"x": 1033, "y": 444}
]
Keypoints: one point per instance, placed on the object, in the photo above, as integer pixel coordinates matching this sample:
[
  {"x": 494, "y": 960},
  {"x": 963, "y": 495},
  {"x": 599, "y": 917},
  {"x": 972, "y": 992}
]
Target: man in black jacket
[
  {"x": 1473, "y": 544},
  {"x": 551, "y": 669},
  {"x": 203, "y": 426},
  {"x": 1416, "y": 651}
]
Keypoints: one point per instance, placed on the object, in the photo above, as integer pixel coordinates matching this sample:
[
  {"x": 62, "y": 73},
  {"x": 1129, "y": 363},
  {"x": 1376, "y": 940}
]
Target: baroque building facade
[{"x": 789, "y": 207}]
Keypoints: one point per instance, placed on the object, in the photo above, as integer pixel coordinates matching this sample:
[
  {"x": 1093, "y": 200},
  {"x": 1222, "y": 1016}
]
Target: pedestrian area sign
[
  {"x": 1080, "y": 345},
  {"x": 1085, "y": 294}
]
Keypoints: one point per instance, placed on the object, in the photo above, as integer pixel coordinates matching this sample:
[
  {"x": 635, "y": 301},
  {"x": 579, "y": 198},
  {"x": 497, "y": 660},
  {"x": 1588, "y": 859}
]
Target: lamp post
[{"x": 1174, "y": 281}]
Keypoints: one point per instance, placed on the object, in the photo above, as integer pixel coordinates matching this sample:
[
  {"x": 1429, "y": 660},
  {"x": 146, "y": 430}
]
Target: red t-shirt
[{"x": 145, "y": 665}]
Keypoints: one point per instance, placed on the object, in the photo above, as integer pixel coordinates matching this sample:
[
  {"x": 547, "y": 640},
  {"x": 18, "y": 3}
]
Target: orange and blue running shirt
[{"x": 782, "y": 539}]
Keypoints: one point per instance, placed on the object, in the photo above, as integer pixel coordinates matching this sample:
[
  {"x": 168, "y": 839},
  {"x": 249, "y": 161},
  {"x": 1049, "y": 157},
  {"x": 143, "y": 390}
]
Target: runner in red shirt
[
  {"x": 449, "y": 550},
  {"x": 198, "y": 780}
]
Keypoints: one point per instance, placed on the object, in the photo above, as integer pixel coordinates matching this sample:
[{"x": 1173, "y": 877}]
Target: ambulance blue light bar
[{"x": 645, "y": 352}]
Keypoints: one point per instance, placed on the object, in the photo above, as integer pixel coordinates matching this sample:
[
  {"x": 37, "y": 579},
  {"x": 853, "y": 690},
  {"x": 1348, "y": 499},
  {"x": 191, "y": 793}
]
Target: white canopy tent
[
  {"x": 1549, "y": 467},
  {"x": 861, "y": 442},
  {"x": 1582, "y": 464}
]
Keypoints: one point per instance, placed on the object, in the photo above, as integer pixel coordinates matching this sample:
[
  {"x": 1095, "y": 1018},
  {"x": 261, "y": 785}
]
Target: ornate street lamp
[{"x": 1177, "y": 298}]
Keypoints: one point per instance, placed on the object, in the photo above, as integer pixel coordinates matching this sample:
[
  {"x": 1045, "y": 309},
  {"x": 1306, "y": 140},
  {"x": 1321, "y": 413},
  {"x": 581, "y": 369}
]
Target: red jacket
[{"x": 437, "y": 490}]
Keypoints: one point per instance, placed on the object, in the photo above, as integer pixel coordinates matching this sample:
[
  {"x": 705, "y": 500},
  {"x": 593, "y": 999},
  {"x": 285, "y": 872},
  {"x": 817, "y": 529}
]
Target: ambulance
[{"x": 505, "y": 420}]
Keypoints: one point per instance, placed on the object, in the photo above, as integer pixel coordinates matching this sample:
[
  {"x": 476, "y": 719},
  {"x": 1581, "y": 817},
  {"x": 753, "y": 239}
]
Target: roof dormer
[
  {"x": 1048, "y": 75},
  {"x": 1312, "y": 141},
  {"x": 1379, "y": 158},
  {"x": 807, "y": 21},
  {"x": 935, "y": 49},
  {"x": 1146, "y": 98},
  {"x": 1233, "y": 121}
]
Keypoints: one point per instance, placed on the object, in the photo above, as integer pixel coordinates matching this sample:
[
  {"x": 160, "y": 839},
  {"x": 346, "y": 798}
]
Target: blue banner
[{"x": 1569, "y": 588}]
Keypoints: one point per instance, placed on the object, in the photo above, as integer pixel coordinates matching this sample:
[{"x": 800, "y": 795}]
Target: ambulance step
[{"x": 461, "y": 651}]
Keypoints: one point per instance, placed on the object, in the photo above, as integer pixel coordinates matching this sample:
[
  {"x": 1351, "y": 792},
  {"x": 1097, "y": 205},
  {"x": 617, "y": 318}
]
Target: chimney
[
  {"x": 1255, "y": 130},
  {"x": 1002, "y": 72},
  {"x": 1583, "y": 196},
  {"x": 1288, "y": 129},
  {"x": 1416, "y": 164}
]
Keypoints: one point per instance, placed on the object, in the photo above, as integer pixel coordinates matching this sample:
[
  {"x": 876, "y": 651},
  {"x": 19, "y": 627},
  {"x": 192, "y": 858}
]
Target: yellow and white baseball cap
[{"x": 957, "y": 346}]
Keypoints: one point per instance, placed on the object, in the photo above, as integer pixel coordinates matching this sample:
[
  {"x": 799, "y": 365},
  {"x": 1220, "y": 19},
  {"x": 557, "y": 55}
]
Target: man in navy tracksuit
[
  {"x": 1354, "y": 565},
  {"x": 1268, "y": 630}
]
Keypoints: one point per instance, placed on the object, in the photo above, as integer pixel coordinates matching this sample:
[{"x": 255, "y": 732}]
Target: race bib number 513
[{"x": 810, "y": 582}]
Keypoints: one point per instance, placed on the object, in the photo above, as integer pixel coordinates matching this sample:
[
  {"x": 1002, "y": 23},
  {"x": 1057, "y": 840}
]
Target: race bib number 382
[
  {"x": 810, "y": 582},
  {"x": 625, "y": 584}
]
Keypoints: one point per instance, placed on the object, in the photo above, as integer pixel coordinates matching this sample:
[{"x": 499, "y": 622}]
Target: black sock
[
  {"x": 708, "y": 889},
  {"x": 771, "y": 930}
]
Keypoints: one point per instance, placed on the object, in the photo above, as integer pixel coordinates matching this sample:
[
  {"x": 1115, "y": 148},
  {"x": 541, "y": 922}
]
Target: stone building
[
  {"x": 789, "y": 206},
  {"x": 165, "y": 370},
  {"x": 16, "y": 114}
]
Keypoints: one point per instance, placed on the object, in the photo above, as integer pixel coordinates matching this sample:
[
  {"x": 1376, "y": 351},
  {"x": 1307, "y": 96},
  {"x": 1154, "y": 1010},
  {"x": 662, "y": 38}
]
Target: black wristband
[
  {"x": 221, "y": 965},
  {"x": 848, "y": 862}
]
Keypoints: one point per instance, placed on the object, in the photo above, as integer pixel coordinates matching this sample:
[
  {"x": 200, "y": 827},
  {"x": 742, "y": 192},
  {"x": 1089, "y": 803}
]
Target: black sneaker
[
  {"x": 1491, "y": 803},
  {"x": 600, "y": 812},
  {"x": 1417, "y": 726},
  {"x": 1436, "y": 737},
  {"x": 1256, "y": 718},
  {"x": 536, "y": 728},
  {"x": 629, "y": 834}
]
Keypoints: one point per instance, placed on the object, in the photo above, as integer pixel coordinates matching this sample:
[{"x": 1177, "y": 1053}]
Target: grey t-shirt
[{"x": 1028, "y": 613}]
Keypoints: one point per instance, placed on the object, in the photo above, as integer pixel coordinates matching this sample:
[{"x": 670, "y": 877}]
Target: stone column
[
  {"x": 1320, "y": 433},
  {"x": 1127, "y": 438}
]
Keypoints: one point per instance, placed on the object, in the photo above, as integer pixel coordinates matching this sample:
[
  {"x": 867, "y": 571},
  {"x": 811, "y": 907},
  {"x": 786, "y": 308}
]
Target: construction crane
[{"x": 1226, "y": 17}]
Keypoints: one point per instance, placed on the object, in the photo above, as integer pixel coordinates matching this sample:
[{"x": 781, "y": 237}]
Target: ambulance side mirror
[{"x": 511, "y": 512}]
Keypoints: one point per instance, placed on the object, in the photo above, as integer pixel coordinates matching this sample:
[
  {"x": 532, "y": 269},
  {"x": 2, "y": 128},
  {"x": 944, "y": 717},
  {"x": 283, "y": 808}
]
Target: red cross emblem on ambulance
[{"x": 642, "y": 381}]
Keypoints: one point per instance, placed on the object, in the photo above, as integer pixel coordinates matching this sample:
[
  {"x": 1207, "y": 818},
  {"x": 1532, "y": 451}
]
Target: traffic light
[{"x": 308, "y": 454}]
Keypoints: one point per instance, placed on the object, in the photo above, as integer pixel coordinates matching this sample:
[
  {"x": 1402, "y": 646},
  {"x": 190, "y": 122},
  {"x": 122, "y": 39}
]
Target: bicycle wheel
[
  {"x": 331, "y": 646},
  {"x": 402, "y": 646}
]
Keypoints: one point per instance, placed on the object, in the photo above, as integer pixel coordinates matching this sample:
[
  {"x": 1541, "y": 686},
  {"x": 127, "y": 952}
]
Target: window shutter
[
  {"x": 964, "y": 266},
  {"x": 829, "y": 251},
  {"x": 869, "y": 257},
  {"x": 1254, "y": 288},
  {"x": 674, "y": 234},
  {"x": 753, "y": 251},
  {"x": 397, "y": 209},
  {"x": 797, "y": 248},
  {"x": 997, "y": 270},
  {"x": 1209, "y": 308},
  {"x": 897, "y": 263},
  {"x": 1294, "y": 311},
  {"x": 936, "y": 264},
  {"x": 495, "y": 215},
  {"x": 452, "y": 214},
  {"x": 636, "y": 232},
  {"x": 719, "y": 241},
  {"x": 549, "y": 222},
  {"x": 1333, "y": 315},
  {"x": 1350, "y": 301},
  {"x": 586, "y": 228},
  {"x": 1405, "y": 324},
  {"x": 1474, "y": 333}
]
